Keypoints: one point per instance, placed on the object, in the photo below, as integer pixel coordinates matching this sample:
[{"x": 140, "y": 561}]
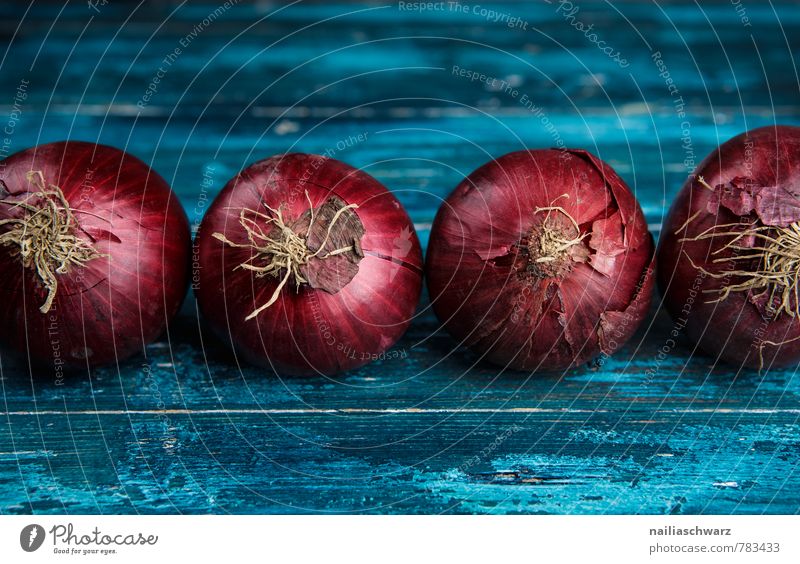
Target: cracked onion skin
[
  {"x": 110, "y": 308},
  {"x": 492, "y": 292},
  {"x": 754, "y": 178},
  {"x": 347, "y": 313}
]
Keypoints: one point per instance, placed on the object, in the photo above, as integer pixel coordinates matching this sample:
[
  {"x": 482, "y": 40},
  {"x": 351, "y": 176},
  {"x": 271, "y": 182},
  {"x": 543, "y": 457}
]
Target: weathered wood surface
[{"x": 429, "y": 429}]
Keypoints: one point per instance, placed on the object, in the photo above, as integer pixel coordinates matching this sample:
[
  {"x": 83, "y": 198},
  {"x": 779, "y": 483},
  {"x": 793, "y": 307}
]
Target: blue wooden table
[{"x": 201, "y": 89}]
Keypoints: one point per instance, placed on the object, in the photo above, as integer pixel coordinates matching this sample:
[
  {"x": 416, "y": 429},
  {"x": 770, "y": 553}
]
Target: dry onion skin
[
  {"x": 729, "y": 254},
  {"x": 95, "y": 254},
  {"x": 541, "y": 260},
  {"x": 308, "y": 266}
]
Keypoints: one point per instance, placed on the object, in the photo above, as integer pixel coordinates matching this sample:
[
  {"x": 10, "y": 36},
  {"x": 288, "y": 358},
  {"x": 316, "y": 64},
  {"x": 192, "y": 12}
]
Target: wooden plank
[
  {"x": 110, "y": 57},
  {"x": 410, "y": 463},
  {"x": 420, "y": 158},
  {"x": 426, "y": 370}
]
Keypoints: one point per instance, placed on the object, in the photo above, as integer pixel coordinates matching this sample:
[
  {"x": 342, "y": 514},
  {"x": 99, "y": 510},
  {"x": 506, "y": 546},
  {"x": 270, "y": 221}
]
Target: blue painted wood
[{"x": 430, "y": 428}]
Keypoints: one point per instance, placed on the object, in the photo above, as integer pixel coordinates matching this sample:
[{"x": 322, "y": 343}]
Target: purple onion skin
[
  {"x": 112, "y": 307},
  {"x": 308, "y": 330},
  {"x": 755, "y": 178},
  {"x": 479, "y": 272}
]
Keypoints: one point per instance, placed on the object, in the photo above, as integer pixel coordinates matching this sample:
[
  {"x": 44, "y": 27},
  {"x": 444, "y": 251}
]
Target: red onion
[
  {"x": 94, "y": 250},
  {"x": 308, "y": 265},
  {"x": 729, "y": 255},
  {"x": 541, "y": 260}
]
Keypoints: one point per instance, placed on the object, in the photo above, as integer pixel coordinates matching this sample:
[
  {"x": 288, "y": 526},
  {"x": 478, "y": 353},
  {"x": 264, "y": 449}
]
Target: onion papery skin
[
  {"x": 309, "y": 330},
  {"x": 113, "y": 306},
  {"x": 754, "y": 178},
  {"x": 479, "y": 267}
]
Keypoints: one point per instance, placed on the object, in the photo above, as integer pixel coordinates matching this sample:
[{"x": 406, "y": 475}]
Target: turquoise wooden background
[{"x": 426, "y": 430}]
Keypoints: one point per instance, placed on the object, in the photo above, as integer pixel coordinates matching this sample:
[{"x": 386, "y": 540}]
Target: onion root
[
  {"x": 778, "y": 275},
  {"x": 549, "y": 246},
  {"x": 46, "y": 236},
  {"x": 278, "y": 250}
]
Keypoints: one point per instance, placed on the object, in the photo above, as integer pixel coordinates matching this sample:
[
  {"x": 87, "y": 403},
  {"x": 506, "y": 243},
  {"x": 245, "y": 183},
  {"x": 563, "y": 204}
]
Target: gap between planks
[
  {"x": 386, "y": 411},
  {"x": 626, "y": 109}
]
